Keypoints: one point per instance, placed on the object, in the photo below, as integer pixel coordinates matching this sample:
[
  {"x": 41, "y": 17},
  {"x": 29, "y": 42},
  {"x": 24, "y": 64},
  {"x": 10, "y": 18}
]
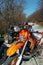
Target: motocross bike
[{"x": 27, "y": 45}]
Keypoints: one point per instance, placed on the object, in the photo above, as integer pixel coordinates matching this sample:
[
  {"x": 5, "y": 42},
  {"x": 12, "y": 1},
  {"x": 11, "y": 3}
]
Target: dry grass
[{"x": 37, "y": 22}]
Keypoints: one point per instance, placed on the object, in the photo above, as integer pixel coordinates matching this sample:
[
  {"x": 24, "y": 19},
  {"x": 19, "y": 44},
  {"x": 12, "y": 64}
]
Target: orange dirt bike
[{"x": 25, "y": 47}]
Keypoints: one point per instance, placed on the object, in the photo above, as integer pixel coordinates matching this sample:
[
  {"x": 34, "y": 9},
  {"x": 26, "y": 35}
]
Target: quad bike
[{"x": 25, "y": 47}]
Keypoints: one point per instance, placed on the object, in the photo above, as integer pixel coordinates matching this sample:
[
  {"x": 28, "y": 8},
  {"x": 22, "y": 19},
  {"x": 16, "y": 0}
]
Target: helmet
[{"x": 26, "y": 24}]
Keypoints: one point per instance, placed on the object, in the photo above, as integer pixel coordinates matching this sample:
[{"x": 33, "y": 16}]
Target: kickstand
[{"x": 35, "y": 61}]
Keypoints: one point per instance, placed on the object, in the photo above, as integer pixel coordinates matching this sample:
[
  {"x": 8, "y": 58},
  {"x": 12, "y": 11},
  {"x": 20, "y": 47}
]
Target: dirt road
[
  {"x": 40, "y": 58},
  {"x": 32, "y": 61}
]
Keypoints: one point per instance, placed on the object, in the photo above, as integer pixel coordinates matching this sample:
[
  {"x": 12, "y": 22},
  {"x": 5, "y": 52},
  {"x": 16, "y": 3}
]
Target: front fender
[{"x": 13, "y": 48}]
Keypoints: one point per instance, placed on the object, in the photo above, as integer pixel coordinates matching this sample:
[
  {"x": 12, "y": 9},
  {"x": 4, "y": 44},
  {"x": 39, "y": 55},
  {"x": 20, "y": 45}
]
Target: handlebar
[{"x": 37, "y": 32}]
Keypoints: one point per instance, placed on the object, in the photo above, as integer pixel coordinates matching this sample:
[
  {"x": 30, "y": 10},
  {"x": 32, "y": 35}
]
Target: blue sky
[{"x": 31, "y": 7}]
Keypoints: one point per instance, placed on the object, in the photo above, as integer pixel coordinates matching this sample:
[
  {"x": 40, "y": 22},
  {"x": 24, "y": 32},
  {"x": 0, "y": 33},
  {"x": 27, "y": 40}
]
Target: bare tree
[
  {"x": 41, "y": 3},
  {"x": 13, "y": 9},
  {"x": 41, "y": 8}
]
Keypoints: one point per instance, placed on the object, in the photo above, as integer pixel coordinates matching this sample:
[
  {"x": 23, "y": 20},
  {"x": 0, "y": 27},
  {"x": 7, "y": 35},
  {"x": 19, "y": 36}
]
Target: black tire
[
  {"x": 3, "y": 54},
  {"x": 9, "y": 59},
  {"x": 3, "y": 59},
  {"x": 26, "y": 58}
]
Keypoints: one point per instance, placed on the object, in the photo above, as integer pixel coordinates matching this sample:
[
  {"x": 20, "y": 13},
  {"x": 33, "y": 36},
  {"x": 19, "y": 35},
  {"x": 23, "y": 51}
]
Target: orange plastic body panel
[
  {"x": 24, "y": 33},
  {"x": 12, "y": 50}
]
